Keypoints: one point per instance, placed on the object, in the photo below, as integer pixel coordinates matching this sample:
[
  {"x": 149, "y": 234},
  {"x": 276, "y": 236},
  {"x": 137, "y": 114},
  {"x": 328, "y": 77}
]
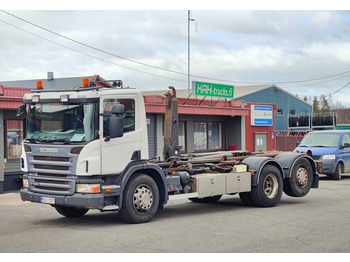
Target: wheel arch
[
  {"x": 289, "y": 159},
  {"x": 258, "y": 164},
  {"x": 341, "y": 162},
  {"x": 152, "y": 170}
]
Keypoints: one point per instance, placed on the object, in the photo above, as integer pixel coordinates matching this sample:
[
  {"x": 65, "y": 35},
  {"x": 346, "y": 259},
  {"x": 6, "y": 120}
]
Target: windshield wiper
[
  {"x": 59, "y": 141},
  {"x": 35, "y": 139},
  {"x": 312, "y": 146},
  {"x": 32, "y": 140},
  {"x": 41, "y": 140}
]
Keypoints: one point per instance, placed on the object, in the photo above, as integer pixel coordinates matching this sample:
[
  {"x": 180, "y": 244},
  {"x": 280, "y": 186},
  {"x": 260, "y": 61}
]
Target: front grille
[
  {"x": 52, "y": 158},
  {"x": 58, "y": 165},
  {"x": 51, "y": 175},
  {"x": 51, "y": 185},
  {"x": 50, "y": 167}
]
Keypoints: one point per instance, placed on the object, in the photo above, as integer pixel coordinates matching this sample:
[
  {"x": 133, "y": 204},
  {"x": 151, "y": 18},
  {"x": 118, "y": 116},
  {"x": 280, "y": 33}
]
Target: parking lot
[{"x": 317, "y": 223}]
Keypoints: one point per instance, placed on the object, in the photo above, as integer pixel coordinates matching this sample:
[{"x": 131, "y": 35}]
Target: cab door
[
  {"x": 116, "y": 153},
  {"x": 345, "y": 152}
]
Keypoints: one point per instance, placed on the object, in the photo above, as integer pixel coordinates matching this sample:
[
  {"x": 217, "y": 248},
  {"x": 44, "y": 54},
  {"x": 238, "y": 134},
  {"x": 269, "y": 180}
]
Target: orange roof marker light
[
  {"x": 39, "y": 84},
  {"x": 86, "y": 82}
]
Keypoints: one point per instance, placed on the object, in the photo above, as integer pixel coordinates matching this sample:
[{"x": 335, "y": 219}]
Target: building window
[
  {"x": 200, "y": 135},
  {"x": 215, "y": 135},
  {"x": 207, "y": 135},
  {"x": 182, "y": 140},
  {"x": 14, "y": 137},
  {"x": 303, "y": 113},
  {"x": 292, "y": 112},
  {"x": 279, "y": 112}
]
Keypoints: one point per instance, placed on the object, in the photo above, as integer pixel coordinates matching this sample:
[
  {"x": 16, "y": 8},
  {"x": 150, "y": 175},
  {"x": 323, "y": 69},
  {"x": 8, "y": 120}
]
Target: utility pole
[{"x": 189, "y": 20}]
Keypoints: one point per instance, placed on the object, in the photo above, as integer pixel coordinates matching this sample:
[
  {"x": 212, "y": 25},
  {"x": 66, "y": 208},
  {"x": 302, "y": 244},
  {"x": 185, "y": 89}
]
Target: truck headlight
[
  {"x": 328, "y": 157},
  {"x": 88, "y": 188},
  {"x": 25, "y": 182}
]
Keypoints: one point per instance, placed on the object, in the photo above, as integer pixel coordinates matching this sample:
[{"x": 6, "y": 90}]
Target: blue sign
[{"x": 261, "y": 115}]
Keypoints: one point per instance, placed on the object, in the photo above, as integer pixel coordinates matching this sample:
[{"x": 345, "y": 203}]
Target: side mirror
[
  {"x": 345, "y": 145},
  {"x": 21, "y": 110},
  {"x": 116, "y": 128}
]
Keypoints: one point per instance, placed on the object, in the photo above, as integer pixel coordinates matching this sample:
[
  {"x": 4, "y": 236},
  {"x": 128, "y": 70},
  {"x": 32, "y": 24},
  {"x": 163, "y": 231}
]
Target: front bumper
[
  {"x": 328, "y": 166},
  {"x": 89, "y": 201}
]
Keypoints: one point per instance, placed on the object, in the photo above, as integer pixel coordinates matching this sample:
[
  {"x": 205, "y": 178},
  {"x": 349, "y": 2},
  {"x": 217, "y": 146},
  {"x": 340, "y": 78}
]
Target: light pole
[{"x": 189, "y": 20}]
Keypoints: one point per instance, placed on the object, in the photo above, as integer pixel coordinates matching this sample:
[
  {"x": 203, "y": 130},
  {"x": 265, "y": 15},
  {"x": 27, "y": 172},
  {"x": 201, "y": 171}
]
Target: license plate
[{"x": 47, "y": 200}]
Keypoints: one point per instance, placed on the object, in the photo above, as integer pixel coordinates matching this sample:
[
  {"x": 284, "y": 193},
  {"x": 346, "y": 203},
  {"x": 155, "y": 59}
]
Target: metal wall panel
[{"x": 152, "y": 135}]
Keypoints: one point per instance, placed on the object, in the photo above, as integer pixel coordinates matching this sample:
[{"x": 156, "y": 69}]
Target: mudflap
[{"x": 315, "y": 181}]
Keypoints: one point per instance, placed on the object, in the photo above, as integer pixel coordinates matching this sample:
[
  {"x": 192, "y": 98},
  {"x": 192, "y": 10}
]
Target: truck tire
[
  {"x": 300, "y": 182},
  {"x": 140, "y": 199},
  {"x": 71, "y": 211},
  {"x": 246, "y": 199},
  {"x": 338, "y": 172},
  {"x": 269, "y": 190},
  {"x": 212, "y": 199}
]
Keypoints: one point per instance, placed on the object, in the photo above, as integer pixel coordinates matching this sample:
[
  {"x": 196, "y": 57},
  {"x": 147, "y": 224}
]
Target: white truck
[{"x": 87, "y": 148}]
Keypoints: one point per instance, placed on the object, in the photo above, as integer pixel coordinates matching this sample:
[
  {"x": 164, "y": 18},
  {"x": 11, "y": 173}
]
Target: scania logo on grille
[{"x": 48, "y": 150}]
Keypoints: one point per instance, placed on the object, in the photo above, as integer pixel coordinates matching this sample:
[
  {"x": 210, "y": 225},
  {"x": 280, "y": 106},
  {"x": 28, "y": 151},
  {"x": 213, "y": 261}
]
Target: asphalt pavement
[{"x": 317, "y": 223}]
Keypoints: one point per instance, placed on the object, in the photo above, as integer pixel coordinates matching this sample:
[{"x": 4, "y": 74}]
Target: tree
[
  {"x": 316, "y": 105},
  {"x": 324, "y": 105}
]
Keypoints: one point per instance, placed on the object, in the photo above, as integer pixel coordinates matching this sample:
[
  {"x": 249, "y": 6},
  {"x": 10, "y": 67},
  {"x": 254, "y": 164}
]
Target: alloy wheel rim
[{"x": 143, "y": 198}]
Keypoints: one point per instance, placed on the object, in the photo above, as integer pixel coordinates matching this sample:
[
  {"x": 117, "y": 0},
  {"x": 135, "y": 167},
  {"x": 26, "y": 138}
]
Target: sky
[{"x": 298, "y": 48}]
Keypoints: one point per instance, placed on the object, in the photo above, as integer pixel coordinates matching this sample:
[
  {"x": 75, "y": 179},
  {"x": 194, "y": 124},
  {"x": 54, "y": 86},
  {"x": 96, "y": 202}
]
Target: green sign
[{"x": 210, "y": 89}]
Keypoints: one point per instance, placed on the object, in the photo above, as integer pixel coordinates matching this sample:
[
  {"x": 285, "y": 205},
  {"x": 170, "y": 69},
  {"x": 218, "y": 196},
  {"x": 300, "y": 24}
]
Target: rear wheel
[
  {"x": 300, "y": 182},
  {"x": 246, "y": 198},
  {"x": 140, "y": 199},
  {"x": 269, "y": 190},
  {"x": 71, "y": 211}
]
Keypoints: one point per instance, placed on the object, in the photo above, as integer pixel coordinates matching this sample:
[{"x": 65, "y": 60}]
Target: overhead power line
[
  {"x": 92, "y": 47},
  {"x": 75, "y": 50},
  {"x": 340, "y": 89},
  {"x": 345, "y": 74},
  {"x": 152, "y": 66}
]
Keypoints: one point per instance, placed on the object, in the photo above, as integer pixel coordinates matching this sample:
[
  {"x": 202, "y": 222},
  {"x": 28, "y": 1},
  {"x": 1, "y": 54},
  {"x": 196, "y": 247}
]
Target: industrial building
[{"x": 287, "y": 104}]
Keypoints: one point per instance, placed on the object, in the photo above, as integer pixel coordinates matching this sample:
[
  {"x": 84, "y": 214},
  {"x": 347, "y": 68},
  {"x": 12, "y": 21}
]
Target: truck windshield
[
  {"x": 320, "y": 140},
  {"x": 58, "y": 122}
]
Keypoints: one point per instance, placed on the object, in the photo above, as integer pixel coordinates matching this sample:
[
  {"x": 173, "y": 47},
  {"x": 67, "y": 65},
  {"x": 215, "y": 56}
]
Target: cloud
[{"x": 251, "y": 46}]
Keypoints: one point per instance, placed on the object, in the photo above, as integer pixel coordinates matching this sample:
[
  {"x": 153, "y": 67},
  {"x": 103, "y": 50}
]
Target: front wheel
[
  {"x": 338, "y": 172},
  {"x": 71, "y": 211},
  {"x": 269, "y": 190},
  {"x": 140, "y": 199}
]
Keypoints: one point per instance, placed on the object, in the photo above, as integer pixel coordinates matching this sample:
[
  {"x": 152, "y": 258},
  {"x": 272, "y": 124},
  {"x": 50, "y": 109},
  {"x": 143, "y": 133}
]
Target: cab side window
[
  {"x": 128, "y": 117},
  {"x": 346, "y": 141}
]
